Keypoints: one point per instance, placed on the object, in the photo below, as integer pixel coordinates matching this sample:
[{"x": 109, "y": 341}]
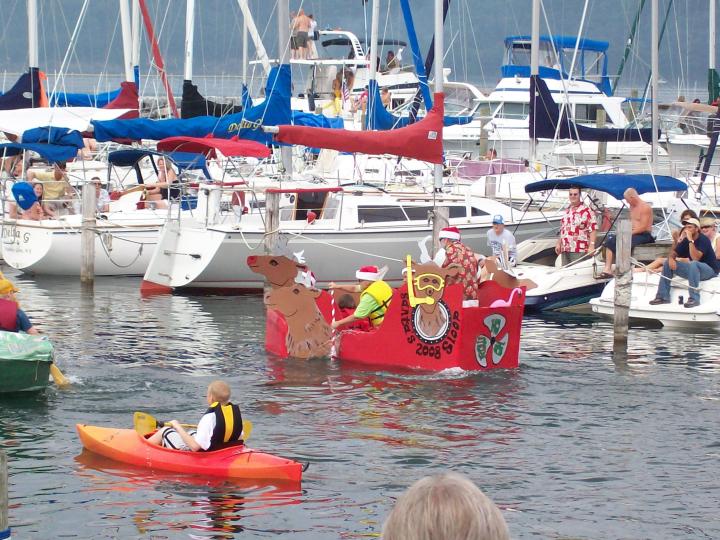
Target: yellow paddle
[
  {"x": 58, "y": 376},
  {"x": 145, "y": 423}
]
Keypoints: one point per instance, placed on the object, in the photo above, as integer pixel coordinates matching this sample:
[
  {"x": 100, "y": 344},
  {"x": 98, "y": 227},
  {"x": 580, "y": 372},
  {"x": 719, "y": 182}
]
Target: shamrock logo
[{"x": 492, "y": 347}]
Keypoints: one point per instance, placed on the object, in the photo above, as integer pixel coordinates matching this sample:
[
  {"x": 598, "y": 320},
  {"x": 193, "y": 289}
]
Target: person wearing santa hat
[
  {"x": 375, "y": 296},
  {"x": 458, "y": 253}
]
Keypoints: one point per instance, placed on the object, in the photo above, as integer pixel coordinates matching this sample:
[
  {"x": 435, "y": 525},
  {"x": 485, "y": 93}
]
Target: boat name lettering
[
  {"x": 244, "y": 124},
  {"x": 10, "y": 231}
]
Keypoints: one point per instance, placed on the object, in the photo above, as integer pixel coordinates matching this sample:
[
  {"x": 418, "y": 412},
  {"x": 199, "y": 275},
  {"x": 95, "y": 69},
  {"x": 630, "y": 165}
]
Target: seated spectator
[
  {"x": 39, "y": 210},
  {"x": 346, "y": 307},
  {"x": 58, "y": 193},
  {"x": 158, "y": 193},
  {"x": 708, "y": 226},
  {"x": 677, "y": 235},
  {"x": 445, "y": 507},
  {"x": 101, "y": 195}
]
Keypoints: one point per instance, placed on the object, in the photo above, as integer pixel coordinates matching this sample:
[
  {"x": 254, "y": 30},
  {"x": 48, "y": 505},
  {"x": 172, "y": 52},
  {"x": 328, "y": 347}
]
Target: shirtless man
[
  {"x": 301, "y": 25},
  {"x": 641, "y": 217}
]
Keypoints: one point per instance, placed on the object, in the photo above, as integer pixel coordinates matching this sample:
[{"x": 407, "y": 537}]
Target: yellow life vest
[{"x": 381, "y": 292}]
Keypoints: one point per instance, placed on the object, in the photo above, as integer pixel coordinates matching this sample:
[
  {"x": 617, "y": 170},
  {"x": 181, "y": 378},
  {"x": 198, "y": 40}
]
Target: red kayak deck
[{"x": 127, "y": 446}]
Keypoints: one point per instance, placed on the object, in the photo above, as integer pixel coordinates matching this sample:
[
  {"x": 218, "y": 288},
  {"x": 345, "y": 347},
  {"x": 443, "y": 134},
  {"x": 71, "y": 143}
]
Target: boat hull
[
  {"x": 25, "y": 362},
  {"x": 127, "y": 446}
]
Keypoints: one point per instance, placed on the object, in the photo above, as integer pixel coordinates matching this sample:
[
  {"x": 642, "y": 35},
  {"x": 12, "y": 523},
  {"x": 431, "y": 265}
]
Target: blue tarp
[
  {"x": 545, "y": 117},
  {"x": 75, "y": 99},
  {"x": 379, "y": 118},
  {"x": 275, "y": 110},
  {"x": 54, "y": 144},
  {"x": 52, "y": 152},
  {"x": 301, "y": 118},
  {"x": 54, "y": 135},
  {"x": 24, "y": 195},
  {"x": 614, "y": 184}
]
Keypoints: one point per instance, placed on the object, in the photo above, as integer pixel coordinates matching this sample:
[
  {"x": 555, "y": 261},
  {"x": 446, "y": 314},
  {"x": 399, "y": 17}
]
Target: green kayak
[{"x": 25, "y": 362}]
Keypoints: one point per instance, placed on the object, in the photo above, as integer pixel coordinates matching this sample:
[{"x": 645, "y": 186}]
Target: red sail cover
[
  {"x": 127, "y": 99},
  {"x": 422, "y": 140},
  {"x": 234, "y": 147}
]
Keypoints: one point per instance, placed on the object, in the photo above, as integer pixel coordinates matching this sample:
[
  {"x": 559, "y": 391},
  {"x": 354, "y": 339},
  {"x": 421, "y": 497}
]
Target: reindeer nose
[{"x": 251, "y": 260}]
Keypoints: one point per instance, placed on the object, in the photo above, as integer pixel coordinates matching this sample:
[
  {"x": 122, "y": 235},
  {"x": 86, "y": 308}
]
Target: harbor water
[{"x": 573, "y": 444}]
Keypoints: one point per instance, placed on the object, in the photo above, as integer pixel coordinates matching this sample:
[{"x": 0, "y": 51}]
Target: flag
[{"x": 345, "y": 91}]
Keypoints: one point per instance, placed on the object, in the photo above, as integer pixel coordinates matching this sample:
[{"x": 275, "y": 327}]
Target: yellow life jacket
[{"x": 381, "y": 292}]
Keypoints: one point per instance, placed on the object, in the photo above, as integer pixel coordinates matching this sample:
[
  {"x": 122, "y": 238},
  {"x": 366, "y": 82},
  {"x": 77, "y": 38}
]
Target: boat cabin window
[
  {"x": 301, "y": 203},
  {"x": 587, "y": 113},
  {"x": 518, "y": 54},
  {"x": 332, "y": 203},
  {"x": 514, "y": 111},
  {"x": 476, "y": 212},
  {"x": 486, "y": 109},
  {"x": 376, "y": 214}
]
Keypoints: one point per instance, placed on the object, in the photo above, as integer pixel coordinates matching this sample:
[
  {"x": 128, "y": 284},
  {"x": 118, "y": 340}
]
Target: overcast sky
[{"x": 474, "y": 34}]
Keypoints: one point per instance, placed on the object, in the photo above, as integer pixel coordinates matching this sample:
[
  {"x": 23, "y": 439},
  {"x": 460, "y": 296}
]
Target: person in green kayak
[
  {"x": 12, "y": 318},
  {"x": 220, "y": 426}
]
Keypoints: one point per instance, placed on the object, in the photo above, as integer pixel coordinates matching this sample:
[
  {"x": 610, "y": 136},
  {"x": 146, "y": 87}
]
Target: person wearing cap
[
  {"x": 12, "y": 318},
  {"x": 641, "y": 218},
  {"x": 501, "y": 241},
  {"x": 375, "y": 296},
  {"x": 458, "y": 253},
  {"x": 102, "y": 197},
  {"x": 578, "y": 229},
  {"x": 708, "y": 226},
  {"x": 693, "y": 258}
]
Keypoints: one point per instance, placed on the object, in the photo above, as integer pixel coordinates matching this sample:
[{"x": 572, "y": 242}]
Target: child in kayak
[
  {"x": 220, "y": 426},
  {"x": 346, "y": 307}
]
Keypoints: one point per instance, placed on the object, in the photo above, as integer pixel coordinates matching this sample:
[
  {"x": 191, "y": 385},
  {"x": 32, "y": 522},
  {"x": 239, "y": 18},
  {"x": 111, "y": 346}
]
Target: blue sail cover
[
  {"x": 545, "y": 117},
  {"x": 54, "y": 135},
  {"x": 81, "y": 99},
  {"x": 379, "y": 118},
  {"x": 25, "y": 93},
  {"x": 614, "y": 184},
  {"x": 52, "y": 152},
  {"x": 275, "y": 110},
  {"x": 301, "y": 118},
  {"x": 417, "y": 57}
]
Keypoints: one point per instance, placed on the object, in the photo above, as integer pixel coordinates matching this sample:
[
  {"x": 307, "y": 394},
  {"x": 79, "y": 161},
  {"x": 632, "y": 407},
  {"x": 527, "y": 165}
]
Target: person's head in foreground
[
  {"x": 446, "y": 506},
  {"x": 218, "y": 391}
]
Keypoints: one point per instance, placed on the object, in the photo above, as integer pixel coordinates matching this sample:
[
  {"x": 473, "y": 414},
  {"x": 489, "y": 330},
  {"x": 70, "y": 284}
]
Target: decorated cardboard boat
[{"x": 427, "y": 327}]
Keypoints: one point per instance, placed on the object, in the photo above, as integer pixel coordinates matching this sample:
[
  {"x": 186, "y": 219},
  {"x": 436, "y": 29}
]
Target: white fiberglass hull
[
  {"x": 215, "y": 258},
  {"x": 53, "y": 247},
  {"x": 674, "y": 314}
]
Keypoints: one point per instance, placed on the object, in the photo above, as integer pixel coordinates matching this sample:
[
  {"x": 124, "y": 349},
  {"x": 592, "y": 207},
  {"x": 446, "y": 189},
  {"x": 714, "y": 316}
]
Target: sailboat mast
[
  {"x": 32, "y": 34},
  {"x": 189, "y": 38},
  {"x": 245, "y": 52},
  {"x": 654, "y": 68},
  {"x": 255, "y": 35},
  {"x": 534, "y": 62},
  {"x": 126, "y": 39},
  {"x": 439, "y": 87},
  {"x": 136, "y": 42},
  {"x": 283, "y": 14},
  {"x": 713, "y": 79}
]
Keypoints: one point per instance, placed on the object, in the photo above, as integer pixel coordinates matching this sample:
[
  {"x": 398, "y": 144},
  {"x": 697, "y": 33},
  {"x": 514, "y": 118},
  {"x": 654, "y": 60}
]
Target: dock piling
[
  {"x": 623, "y": 285},
  {"x": 4, "y": 525},
  {"x": 87, "y": 235},
  {"x": 272, "y": 219},
  {"x": 440, "y": 219}
]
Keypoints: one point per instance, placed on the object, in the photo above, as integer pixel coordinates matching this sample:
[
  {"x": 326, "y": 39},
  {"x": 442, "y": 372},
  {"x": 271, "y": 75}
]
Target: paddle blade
[
  {"x": 58, "y": 376},
  {"x": 247, "y": 429},
  {"x": 144, "y": 423}
]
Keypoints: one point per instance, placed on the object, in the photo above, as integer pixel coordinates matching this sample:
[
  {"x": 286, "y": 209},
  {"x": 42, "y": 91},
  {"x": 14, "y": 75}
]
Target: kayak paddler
[
  {"x": 12, "y": 318},
  {"x": 220, "y": 426},
  {"x": 375, "y": 296}
]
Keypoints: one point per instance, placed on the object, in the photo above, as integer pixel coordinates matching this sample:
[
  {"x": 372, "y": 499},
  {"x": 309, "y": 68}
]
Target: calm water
[{"x": 571, "y": 445}]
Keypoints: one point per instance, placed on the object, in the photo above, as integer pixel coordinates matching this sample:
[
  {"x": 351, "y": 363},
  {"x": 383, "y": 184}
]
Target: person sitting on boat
[
  {"x": 708, "y": 226},
  {"x": 677, "y": 235},
  {"x": 641, "y": 217},
  {"x": 346, "y": 307},
  {"x": 12, "y": 318},
  {"x": 693, "y": 258},
  {"x": 375, "y": 296},
  {"x": 458, "y": 253},
  {"x": 59, "y": 195},
  {"x": 158, "y": 193},
  {"x": 502, "y": 242},
  {"x": 220, "y": 426},
  {"x": 578, "y": 229},
  {"x": 39, "y": 210},
  {"x": 102, "y": 196}
]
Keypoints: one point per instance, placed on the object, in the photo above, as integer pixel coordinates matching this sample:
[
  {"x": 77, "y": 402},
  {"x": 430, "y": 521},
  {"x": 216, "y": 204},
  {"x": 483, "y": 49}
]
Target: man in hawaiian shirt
[
  {"x": 457, "y": 252},
  {"x": 578, "y": 229}
]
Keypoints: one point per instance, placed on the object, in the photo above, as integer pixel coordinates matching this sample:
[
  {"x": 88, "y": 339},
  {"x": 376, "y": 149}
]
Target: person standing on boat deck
[
  {"x": 708, "y": 226},
  {"x": 12, "y": 318},
  {"x": 641, "y": 217},
  {"x": 301, "y": 25},
  {"x": 293, "y": 36},
  {"x": 375, "y": 296},
  {"x": 458, "y": 253},
  {"x": 313, "y": 36},
  {"x": 578, "y": 229},
  {"x": 693, "y": 258},
  {"x": 220, "y": 425},
  {"x": 501, "y": 241},
  {"x": 391, "y": 61}
]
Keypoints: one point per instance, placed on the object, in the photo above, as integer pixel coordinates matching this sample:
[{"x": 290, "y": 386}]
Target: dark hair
[
  {"x": 688, "y": 213},
  {"x": 346, "y": 301},
  {"x": 39, "y": 199}
]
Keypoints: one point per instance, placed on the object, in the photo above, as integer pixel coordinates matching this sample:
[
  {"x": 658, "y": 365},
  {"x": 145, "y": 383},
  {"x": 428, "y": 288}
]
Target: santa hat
[
  {"x": 370, "y": 273},
  {"x": 451, "y": 233},
  {"x": 306, "y": 277}
]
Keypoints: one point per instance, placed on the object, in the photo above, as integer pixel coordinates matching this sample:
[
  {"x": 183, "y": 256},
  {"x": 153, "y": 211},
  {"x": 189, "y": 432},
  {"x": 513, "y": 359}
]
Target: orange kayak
[{"x": 128, "y": 446}]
